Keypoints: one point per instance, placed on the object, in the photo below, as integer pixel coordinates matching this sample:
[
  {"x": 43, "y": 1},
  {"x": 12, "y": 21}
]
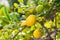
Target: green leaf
[
  {"x": 26, "y": 29},
  {"x": 6, "y": 13},
  {"x": 14, "y": 16},
  {"x": 32, "y": 28},
  {"x": 38, "y": 25}
]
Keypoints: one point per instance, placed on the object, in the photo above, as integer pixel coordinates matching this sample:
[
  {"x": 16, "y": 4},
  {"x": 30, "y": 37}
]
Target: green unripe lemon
[{"x": 39, "y": 8}]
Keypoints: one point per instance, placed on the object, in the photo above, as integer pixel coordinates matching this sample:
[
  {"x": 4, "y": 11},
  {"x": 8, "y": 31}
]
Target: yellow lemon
[
  {"x": 37, "y": 33},
  {"x": 15, "y": 5},
  {"x": 39, "y": 8},
  {"x": 20, "y": 0},
  {"x": 30, "y": 20},
  {"x": 23, "y": 23}
]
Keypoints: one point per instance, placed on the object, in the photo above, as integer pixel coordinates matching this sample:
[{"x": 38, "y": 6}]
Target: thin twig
[{"x": 20, "y": 30}]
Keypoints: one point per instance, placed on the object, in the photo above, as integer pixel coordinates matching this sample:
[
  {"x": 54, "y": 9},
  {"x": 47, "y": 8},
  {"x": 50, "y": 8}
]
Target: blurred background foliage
[{"x": 47, "y": 14}]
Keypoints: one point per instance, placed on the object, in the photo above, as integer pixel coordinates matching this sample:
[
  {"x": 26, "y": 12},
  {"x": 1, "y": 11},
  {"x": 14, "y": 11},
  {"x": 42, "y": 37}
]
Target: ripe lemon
[
  {"x": 39, "y": 8},
  {"x": 23, "y": 23},
  {"x": 37, "y": 33},
  {"x": 30, "y": 20}
]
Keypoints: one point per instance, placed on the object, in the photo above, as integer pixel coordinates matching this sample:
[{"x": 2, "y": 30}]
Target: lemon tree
[{"x": 30, "y": 20}]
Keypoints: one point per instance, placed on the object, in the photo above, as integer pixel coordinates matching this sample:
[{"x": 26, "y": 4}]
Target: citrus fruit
[
  {"x": 37, "y": 33},
  {"x": 39, "y": 8},
  {"x": 31, "y": 20}
]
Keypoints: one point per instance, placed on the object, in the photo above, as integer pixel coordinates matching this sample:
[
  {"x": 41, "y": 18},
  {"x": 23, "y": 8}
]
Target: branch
[{"x": 20, "y": 30}]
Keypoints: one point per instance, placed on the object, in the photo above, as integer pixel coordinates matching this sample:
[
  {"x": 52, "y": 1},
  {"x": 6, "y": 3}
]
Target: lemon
[
  {"x": 31, "y": 20},
  {"x": 23, "y": 23},
  {"x": 37, "y": 33},
  {"x": 39, "y": 8},
  {"x": 15, "y": 5}
]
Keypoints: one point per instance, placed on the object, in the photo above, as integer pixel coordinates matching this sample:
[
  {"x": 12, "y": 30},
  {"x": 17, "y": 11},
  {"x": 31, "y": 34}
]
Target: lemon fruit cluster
[
  {"x": 37, "y": 33},
  {"x": 29, "y": 21}
]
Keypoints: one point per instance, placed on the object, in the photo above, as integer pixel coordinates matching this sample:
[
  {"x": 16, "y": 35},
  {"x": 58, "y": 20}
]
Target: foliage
[{"x": 30, "y": 20}]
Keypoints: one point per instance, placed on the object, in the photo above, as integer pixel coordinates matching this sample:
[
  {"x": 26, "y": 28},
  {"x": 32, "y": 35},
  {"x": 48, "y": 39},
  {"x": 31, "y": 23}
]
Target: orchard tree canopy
[{"x": 30, "y": 20}]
